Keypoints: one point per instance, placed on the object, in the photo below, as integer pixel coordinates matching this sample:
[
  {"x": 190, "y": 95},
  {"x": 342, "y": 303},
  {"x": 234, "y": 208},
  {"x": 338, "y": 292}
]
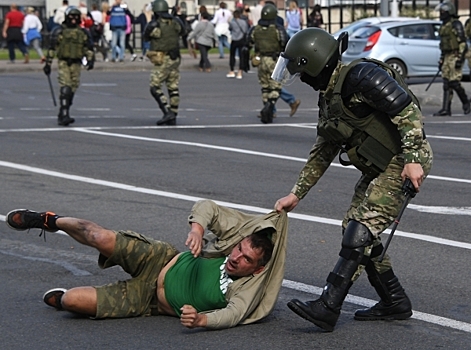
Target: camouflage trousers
[
  {"x": 168, "y": 73},
  {"x": 143, "y": 258},
  {"x": 270, "y": 88},
  {"x": 448, "y": 68},
  {"x": 377, "y": 202},
  {"x": 69, "y": 75}
]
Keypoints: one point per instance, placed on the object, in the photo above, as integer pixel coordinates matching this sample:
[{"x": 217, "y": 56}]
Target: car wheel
[{"x": 399, "y": 66}]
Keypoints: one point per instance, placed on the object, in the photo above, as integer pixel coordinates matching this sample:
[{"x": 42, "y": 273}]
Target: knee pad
[
  {"x": 356, "y": 235},
  {"x": 65, "y": 92}
]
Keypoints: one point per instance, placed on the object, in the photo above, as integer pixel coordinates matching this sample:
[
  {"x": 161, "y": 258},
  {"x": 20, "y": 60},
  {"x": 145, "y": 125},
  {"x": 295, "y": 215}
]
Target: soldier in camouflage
[
  {"x": 73, "y": 46},
  {"x": 454, "y": 48},
  {"x": 368, "y": 114},
  {"x": 163, "y": 33},
  {"x": 269, "y": 39}
]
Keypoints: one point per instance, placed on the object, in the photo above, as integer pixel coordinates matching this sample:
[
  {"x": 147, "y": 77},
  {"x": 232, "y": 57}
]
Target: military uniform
[
  {"x": 163, "y": 34},
  {"x": 268, "y": 39},
  {"x": 371, "y": 120},
  {"x": 71, "y": 44},
  {"x": 453, "y": 48}
]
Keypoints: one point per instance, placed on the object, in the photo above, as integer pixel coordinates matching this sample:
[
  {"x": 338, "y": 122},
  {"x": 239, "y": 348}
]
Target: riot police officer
[
  {"x": 164, "y": 32},
  {"x": 71, "y": 44},
  {"x": 453, "y": 47},
  {"x": 268, "y": 39},
  {"x": 369, "y": 117}
]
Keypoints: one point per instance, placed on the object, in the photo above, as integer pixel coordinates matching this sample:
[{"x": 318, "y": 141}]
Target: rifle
[
  {"x": 52, "y": 90},
  {"x": 435, "y": 77},
  {"x": 410, "y": 192}
]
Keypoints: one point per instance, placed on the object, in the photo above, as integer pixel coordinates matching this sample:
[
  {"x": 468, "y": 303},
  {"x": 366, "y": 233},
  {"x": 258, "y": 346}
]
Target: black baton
[
  {"x": 410, "y": 192},
  {"x": 52, "y": 90}
]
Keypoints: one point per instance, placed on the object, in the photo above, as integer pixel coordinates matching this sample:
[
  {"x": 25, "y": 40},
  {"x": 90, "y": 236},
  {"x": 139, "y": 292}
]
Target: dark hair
[
  {"x": 261, "y": 240},
  {"x": 236, "y": 14},
  {"x": 205, "y": 15}
]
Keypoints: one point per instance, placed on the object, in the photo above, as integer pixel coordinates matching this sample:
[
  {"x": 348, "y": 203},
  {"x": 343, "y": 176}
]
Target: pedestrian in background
[
  {"x": 12, "y": 33},
  {"x": 221, "y": 21},
  {"x": 59, "y": 15},
  {"x": 117, "y": 19},
  {"x": 31, "y": 30},
  {"x": 315, "y": 18},
  {"x": 128, "y": 45},
  {"x": 204, "y": 37},
  {"x": 294, "y": 18},
  {"x": 239, "y": 29},
  {"x": 144, "y": 18}
]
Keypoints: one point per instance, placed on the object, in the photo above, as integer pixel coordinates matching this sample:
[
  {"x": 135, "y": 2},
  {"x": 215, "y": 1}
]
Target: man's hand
[
  {"x": 287, "y": 203},
  {"x": 47, "y": 69},
  {"x": 195, "y": 239},
  {"x": 192, "y": 319},
  {"x": 458, "y": 64},
  {"x": 415, "y": 173}
]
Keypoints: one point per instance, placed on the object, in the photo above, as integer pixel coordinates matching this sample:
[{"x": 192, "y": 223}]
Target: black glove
[
  {"x": 90, "y": 64},
  {"x": 440, "y": 63},
  {"x": 47, "y": 69},
  {"x": 458, "y": 64}
]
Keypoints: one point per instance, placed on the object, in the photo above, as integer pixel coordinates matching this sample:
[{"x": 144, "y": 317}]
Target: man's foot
[
  {"x": 133, "y": 57},
  {"x": 442, "y": 113},
  {"x": 64, "y": 121},
  {"x": 167, "y": 119},
  {"x": 316, "y": 312},
  {"x": 24, "y": 219},
  {"x": 401, "y": 310},
  {"x": 294, "y": 107},
  {"x": 230, "y": 75},
  {"x": 53, "y": 298}
]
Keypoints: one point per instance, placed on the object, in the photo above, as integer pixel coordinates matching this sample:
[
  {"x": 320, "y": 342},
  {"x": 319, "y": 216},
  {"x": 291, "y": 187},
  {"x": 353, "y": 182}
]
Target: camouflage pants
[
  {"x": 448, "y": 68},
  {"x": 376, "y": 203},
  {"x": 143, "y": 258},
  {"x": 168, "y": 73},
  {"x": 270, "y": 88},
  {"x": 69, "y": 75}
]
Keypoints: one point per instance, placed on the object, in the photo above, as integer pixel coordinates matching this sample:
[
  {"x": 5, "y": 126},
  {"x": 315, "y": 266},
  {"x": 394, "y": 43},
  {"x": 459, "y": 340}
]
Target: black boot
[
  {"x": 446, "y": 106},
  {"x": 267, "y": 111},
  {"x": 325, "y": 311},
  {"x": 168, "y": 119},
  {"x": 455, "y": 85},
  {"x": 394, "y": 303},
  {"x": 65, "y": 99}
]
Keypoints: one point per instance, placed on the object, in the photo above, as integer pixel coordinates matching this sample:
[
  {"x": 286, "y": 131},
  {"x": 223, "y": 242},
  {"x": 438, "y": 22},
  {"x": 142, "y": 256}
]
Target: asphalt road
[{"x": 116, "y": 167}]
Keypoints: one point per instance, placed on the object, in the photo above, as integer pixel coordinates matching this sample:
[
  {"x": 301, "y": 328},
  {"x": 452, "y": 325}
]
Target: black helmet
[
  {"x": 72, "y": 13},
  {"x": 160, "y": 6},
  {"x": 447, "y": 10},
  {"x": 269, "y": 12}
]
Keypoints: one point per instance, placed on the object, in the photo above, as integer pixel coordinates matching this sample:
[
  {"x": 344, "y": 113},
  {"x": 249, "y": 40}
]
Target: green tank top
[{"x": 199, "y": 282}]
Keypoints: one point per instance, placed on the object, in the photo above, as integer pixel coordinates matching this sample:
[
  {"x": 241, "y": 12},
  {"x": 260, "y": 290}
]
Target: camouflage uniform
[
  {"x": 377, "y": 199},
  {"x": 163, "y": 34},
  {"x": 71, "y": 45},
  {"x": 143, "y": 258},
  {"x": 269, "y": 40},
  {"x": 453, "y": 48}
]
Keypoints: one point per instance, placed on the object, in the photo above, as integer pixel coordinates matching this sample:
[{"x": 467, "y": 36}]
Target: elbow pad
[{"x": 381, "y": 90}]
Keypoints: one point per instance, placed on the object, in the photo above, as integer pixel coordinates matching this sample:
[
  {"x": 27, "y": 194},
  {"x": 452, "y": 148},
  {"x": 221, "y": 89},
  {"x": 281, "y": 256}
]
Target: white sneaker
[
  {"x": 133, "y": 57},
  {"x": 239, "y": 76},
  {"x": 230, "y": 75}
]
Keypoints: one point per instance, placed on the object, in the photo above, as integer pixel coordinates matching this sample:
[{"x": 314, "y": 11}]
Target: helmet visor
[{"x": 281, "y": 73}]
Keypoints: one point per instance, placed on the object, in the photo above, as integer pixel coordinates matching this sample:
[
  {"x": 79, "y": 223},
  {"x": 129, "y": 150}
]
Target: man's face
[{"x": 243, "y": 260}]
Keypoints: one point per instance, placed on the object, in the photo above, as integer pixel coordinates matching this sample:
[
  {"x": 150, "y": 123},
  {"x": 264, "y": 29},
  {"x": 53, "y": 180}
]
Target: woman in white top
[
  {"x": 221, "y": 21},
  {"x": 294, "y": 19},
  {"x": 31, "y": 30}
]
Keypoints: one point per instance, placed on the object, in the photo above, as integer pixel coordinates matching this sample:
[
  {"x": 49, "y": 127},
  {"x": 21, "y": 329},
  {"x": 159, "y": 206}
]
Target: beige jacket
[{"x": 252, "y": 298}]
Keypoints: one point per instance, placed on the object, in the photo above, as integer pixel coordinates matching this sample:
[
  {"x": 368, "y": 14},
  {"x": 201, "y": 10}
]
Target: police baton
[
  {"x": 410, "y": 192},
  {"x": 435, "y": 77},
  {"x": 52, "y": 90}
]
